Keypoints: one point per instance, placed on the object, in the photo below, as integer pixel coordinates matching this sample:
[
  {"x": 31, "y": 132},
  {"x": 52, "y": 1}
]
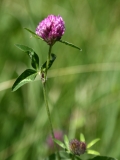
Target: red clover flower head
[
  {"x": 51, "y": 29},
  {"x": 77, "y": 147}
]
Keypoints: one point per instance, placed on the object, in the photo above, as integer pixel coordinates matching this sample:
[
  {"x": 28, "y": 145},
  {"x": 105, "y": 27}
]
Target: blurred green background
[{"x": 83, "y": 87}]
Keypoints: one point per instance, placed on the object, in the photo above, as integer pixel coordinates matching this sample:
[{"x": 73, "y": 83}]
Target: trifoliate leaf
[
  {"x": 33, "y": 33},
  {"x": 27, "y": 76},
  {"x": 53, "y": 57},
  {"x": 59, "y": 143},
  {"x": 93, "y": 142},
  {"x": 82, "y": 138},
  {"x": 70, "y": 44},
  {"x": 31, "y": 53},
  {"x": 66, "y": 141},
  {"x": 93, "y": 152}
]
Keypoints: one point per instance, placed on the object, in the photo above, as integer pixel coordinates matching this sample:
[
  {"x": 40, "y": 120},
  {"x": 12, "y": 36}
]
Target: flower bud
[{"x": 77, "y": 147}]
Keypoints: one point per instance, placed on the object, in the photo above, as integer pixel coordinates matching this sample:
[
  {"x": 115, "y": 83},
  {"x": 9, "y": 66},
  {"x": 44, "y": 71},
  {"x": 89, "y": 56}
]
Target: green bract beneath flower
[{"x": 51, "y": 29}]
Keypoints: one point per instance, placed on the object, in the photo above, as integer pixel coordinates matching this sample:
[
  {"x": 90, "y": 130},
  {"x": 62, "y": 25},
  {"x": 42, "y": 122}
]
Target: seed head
[{"x": 51, "y": 29}]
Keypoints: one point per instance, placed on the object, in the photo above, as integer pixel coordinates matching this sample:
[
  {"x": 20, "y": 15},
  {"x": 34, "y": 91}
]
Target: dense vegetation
[{"x": 83, "y": 87}]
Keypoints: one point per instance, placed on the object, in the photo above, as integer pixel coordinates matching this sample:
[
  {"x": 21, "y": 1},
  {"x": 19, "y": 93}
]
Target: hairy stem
[
  {"x": 46, "y": 101},
  {"x": 48, "y": 60},
  {"x": 44, "y": 92},
  {"x": 48, "y": 111}
]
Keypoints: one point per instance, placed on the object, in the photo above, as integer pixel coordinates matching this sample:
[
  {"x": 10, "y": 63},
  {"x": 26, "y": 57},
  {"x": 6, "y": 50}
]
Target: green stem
[
  {"x": 49, "y": 117},
  {"x": 45, "y": 95},
  {"x": 45, "y": 98},
  {"x": 48, "y": 60},
  {"x": 47, "y": 109}
]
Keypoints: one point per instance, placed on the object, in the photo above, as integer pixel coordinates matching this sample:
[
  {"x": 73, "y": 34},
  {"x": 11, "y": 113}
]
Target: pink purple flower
[
  {"x": 58, "y": 135},
  {"x": 51, "y": 29},
  {"x": 77, "y": 147}
]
